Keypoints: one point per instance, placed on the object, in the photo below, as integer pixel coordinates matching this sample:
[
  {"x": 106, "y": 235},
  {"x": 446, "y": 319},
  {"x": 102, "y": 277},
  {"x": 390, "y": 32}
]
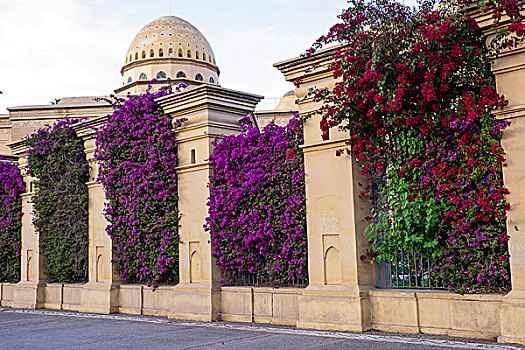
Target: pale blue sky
[{"x": 58, "y": 48}]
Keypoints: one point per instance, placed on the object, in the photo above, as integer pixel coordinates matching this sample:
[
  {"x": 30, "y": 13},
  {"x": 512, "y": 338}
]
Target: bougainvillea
[
  {"x": 416, "y": 93},
  {"x": 138, "y": 156},
  {"x": 257, "y": 206},
  {"x": 58, "y": 161},
  {"x": 11, "y": 187}
]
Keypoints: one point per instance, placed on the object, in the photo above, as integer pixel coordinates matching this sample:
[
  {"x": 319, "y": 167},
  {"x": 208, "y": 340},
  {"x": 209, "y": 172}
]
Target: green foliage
[{"x": 57, "y": 159}]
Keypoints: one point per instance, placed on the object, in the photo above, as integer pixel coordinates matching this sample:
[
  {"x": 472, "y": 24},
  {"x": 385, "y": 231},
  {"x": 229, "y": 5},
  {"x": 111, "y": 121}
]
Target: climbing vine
[
  {"x": 11, "y": 187},
  {"x": 58, "y": 161},
  {"x": 416, "y": 94},
  {"x": 257, "y": 210},
  {"x": 138, "y": 157}
]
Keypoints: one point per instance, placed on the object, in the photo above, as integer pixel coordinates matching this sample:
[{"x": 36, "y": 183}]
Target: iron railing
[
  {"x": 408, "y": 269},
  {"x": 260, "y": 280}
]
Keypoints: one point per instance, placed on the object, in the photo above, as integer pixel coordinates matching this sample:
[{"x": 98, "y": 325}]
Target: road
[{"x": 42, "y": 329}]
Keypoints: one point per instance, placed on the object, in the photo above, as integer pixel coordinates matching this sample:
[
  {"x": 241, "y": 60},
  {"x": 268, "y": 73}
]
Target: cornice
[
  {"x": 209, "y": 96},
  {"x": 52, "y": 111},
  {"x": 169, "y": 60},
  {"x": 303, "y": 66},
  {"x": 19, "y": 148},
  {"x": 161, "y": 82},
  {"x": 87, "y": 128},
  {"x": 8, "y": 158}
]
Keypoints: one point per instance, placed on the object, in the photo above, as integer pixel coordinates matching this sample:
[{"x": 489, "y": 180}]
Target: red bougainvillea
[{"x": 416, "y": 95}]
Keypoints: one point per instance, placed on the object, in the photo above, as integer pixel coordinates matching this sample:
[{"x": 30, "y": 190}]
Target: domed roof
[{"x": 170, "y": 36}]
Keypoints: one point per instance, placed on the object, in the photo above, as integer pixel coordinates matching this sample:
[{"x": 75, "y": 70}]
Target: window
[
  {"x": 161, "y": 75},
  {"x": 199, "y": 77},
  {"x": 143, "y": 76},
  {"x": 161, "y": 53},
  {"x": 143, "y": 54},
  {"x": 181, "y": 75},
  {"x": 212, "y": 80},
  {"x": 129, "y": 80},
  {"x": 130, "y": 57},
  {"x": 180, "y": 53},
  {"x": 152, "y": 53},
  {"x": 188, "y": 54},
  {"x": 197, "y": 55},
  {"x": 136, "y": 55},
  {"x": 209, "y": 59},
  {"x": 170, "y": 52},
  {"x": 204, "y": 57}
]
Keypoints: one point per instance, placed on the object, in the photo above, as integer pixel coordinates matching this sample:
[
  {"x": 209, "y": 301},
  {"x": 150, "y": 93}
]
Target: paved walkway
[{"x": 42, "y": 329}]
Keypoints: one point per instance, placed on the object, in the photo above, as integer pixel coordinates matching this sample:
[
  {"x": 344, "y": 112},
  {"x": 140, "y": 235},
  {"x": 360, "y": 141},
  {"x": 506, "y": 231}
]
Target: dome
[
  {"x": 169, "y": 32},
  {"x": 169, "y": 48}
]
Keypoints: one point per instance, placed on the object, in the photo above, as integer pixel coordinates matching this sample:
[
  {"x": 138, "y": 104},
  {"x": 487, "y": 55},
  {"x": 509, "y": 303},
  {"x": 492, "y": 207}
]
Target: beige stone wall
[{"x": 341, "y": 294}]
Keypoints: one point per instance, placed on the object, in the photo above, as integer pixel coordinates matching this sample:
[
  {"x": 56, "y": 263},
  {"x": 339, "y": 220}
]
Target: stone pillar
[
  {"x": 211, "y": 112},
  {"x": 30, "y": 290},
  {"x": 337, "y": 295},
  {"x": 509, "y": 70},
  {"x": 100, "y": 294},
  {"x": 510, "y": 81}
]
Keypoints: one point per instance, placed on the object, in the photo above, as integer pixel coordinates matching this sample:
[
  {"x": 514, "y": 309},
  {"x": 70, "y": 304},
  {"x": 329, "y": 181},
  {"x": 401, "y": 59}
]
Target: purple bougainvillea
[
  {"x": 257, "y": 205},
  {"x": 138, "y": 156},
  {"x": 11, "y": 186}
]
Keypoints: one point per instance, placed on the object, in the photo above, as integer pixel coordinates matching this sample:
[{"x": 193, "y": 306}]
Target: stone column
[
  {"x": 211, "y": 112},
  {"x": 100, "y": 294},
  {"x": 510, "y": 81},
  {"x": 509, "y": 70},
  {"x": 337, "y": 295},
  {"x": 30, "y": 290}
]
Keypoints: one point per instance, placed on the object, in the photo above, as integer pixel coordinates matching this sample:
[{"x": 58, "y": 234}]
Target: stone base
[
  {"x": 27, "y": 295},
  {"x": 100, "y": 298},
  {"x": 512, "y": 317},
  {"x": 328, "y": 307},
  {"x": 196, "y": 302}
]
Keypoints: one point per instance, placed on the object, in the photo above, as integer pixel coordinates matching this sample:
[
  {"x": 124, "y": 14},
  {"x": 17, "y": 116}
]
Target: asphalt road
[{"x": 61, "y": 330}]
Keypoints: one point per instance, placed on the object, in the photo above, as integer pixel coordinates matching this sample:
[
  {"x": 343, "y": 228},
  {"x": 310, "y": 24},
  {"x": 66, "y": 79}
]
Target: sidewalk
[{"x": 45, "y": 329}]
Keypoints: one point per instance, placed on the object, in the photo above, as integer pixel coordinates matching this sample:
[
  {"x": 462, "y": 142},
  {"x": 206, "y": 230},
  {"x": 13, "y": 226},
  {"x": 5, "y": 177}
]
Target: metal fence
[
  {"x": 259, "y": 280},
  {"x": 408, "y": 269}
]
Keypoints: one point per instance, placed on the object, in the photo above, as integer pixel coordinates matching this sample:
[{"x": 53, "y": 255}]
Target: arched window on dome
[
  {"x": 212, "y": 80},
  {"x": 181, "y": 75},
  {"x": 199, "y": 77},
  {"x": 214, "y": 61},
  {"x": 161, "y": 75},
  {"x": 203, "y": 56},
  {"x": 197, "y": 55},
  {"x": 188, "y": 54},
  {"x": 136, "y": 55},
  {"x": 152, "y": 53},
  {"x": 209, "y": 59},
  {"x": 143, "y": 76},
  {"x": 130, "y": 57},
  {"x": 170, "y": 52},
  {"x": 143, "y": 54},
  {"x": 180, "y": 53},
  {"x": 129, "y": 80},
  {"x": 161, "y": 53}
]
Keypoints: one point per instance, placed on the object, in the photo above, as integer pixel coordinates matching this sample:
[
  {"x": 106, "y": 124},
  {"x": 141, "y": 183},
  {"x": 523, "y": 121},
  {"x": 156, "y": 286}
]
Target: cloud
[{"x": 57, "y": 48}]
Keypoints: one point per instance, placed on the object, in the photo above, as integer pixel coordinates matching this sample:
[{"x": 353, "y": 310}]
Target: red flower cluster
[{"x": 416, "y": 95}]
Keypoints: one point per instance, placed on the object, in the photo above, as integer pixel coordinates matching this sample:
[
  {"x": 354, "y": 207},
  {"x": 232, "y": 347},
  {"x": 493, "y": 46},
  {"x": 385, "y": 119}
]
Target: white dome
[{"x": 168, "y": 48}]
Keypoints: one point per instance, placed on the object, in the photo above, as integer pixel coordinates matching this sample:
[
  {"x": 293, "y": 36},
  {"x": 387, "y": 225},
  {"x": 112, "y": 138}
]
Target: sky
[{"x": 60, "y": 48}]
